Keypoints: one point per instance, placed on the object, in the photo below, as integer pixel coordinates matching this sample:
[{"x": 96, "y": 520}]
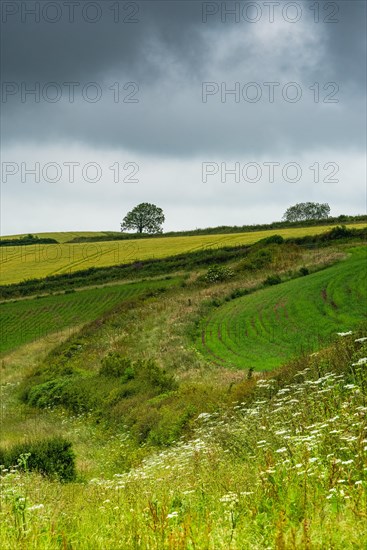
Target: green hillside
[
  {"x": 268, "y": 328},
  {"x": 27, "y": 320}
]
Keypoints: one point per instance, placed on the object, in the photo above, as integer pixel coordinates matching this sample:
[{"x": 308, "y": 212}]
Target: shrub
[
  {"x": 115, "y": 365},
  {"x": 218, "y": 274},
  {"x": 78, "y": 394},
  {"x": 274, "y": 239},
  {"x": 170, "y": 425},
  {"x": 272, "y": 280},
  {"x": 238, "y": 293},
  {"x": 72, "y": 349},
  {"x": 304, "y": 271},
  {"x": 145, "y": 421},
  {"x": 257, "y": 259},
  {"x": 339, "y": 232},
  {"x": 126, "y": 390},
  {"x": 51, "y": 457},
  {"x": 148, "y": 371},
  {"x": 48, "y": 394},
  {"x": 83, "y": 392}
]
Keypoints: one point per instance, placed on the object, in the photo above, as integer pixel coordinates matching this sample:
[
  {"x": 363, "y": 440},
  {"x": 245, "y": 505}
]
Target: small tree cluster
[{"x": 307, "y": 211}]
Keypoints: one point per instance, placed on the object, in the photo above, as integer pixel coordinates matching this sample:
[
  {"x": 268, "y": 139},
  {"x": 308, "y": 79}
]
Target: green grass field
[
  {"x": 269, "y": 327},
  {"x": 36, "y": 261},
  {"x": 27, "y": 320}
]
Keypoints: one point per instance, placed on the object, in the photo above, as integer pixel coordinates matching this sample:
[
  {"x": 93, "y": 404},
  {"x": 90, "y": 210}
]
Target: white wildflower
[
  {"x": 204, "y": 415},
  {"x": 36, "y": 507},
  {"x": 230, "y": 497},
  {"x": 361, "y": 361}
]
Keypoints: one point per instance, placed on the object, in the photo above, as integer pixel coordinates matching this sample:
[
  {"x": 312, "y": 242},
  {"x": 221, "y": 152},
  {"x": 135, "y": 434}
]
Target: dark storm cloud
[
  {"x": 346, "y": 43},
  {"x": 164, "y": 126},
  {"x": 81, "y": 50},
  {"x": 169, "y": 53}
]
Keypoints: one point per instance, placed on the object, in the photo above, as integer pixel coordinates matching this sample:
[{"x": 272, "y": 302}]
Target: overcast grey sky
[{"x": 218, "y": 112}]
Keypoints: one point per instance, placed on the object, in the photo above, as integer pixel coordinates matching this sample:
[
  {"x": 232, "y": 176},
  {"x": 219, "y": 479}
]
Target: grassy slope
[
  {"x": 24, "y": 321},
  {"x": 267, "y": 328},
  {"x": 157, "y": 328},
  {"x": 285, "y": 471},
  {"x": 35, "y": 261}
]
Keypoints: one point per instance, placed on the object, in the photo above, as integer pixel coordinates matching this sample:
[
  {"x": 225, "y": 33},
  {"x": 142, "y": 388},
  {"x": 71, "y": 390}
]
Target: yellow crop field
[{"x": 36, "y": 261}]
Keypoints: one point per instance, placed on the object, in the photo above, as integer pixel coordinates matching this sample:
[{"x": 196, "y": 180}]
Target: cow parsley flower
[{"x": 36, "y": 507}]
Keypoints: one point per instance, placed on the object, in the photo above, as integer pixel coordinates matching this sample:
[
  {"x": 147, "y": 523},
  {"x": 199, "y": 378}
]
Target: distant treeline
[
  {"x": 220, "y": 230},
  {"x": 164, "y": 266},
  {"x": 26, "y": 240}
]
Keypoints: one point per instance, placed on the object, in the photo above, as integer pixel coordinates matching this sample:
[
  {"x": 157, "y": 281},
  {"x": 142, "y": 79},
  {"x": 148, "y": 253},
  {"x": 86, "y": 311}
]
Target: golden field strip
[{"x": 36, "y": 261}]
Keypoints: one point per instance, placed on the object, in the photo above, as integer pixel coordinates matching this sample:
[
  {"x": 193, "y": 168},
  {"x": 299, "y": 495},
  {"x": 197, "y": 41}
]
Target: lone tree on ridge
[{"x": 144, "y": 218}]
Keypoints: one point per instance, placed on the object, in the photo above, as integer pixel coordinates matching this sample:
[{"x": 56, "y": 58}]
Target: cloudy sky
[{"x": 218, "y": 112}]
